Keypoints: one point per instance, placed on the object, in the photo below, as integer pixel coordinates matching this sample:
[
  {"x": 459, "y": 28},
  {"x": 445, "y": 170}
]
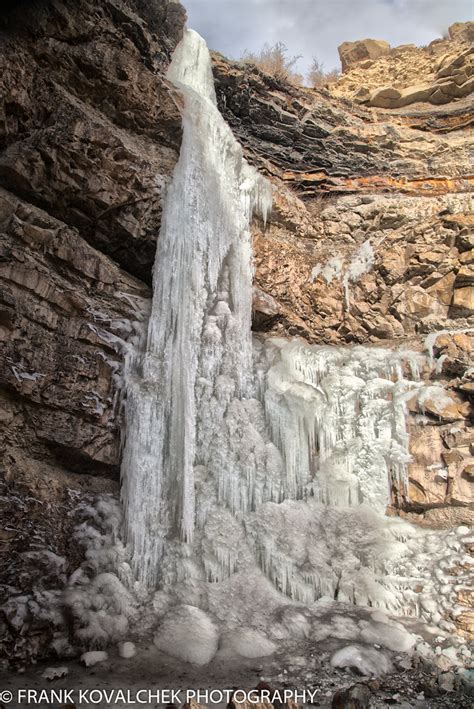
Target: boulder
[
  {"x": 427, "y": 483},
  {"x": 188, "y": 633},
  {"x": 463, "y": 299},
  {"x": 415, "y": 94},
  {"x": 403, "y": 49},
  {"x": 448, "y": 89},
  {"x": 386, "y": 97},
  {"x": 465, "y": 275},
  {"x": 351, "y": 53},
  {"x": 463, "y": 31}
]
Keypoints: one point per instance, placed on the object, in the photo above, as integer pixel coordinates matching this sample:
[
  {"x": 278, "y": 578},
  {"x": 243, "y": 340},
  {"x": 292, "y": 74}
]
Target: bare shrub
[
  {"x": 318, "y": 78},
  {"x": 273, "y": 60}
]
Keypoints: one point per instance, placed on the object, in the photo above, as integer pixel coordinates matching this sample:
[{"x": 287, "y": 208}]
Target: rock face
[
  {"x": 91, "y": 128},
  {"x": 89, "y": 136},
  {"x": 370, "y": 241},
  {"x": 314, "y": 143}
]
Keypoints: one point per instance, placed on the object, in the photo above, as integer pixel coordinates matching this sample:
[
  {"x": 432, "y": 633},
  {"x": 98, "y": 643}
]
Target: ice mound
[
  {"x": 189, "y": 634},
  {"x": 101, "y": 609},
  {"x": 394, "y": 638},
  {"x": 93, "y": 657},
  {"x": 247, "y": 642},
  {"x": 52, "y": 673},
  {"x": 127, "y": 650},
  {"x": 366, "y": 660}
]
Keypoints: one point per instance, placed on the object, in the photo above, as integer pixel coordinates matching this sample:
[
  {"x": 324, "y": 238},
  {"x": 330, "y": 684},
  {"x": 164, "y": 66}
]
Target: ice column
[{"x": 199, "y": 332}]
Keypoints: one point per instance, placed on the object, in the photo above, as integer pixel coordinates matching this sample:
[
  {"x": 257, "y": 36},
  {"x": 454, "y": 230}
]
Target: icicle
[{"x": 339, "y": 420}]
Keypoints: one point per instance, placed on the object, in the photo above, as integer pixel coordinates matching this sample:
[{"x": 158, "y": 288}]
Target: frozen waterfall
[
  {"x": 256, "y": 469},
  {"x": 198, "y": 350}
]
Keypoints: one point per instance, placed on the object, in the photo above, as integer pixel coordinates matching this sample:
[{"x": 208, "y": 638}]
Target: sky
[{"x": 315, "y": 28}]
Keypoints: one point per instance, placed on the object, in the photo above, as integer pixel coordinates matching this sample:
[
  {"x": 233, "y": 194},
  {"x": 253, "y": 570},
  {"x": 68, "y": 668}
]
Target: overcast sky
[{"x": 314, "y": 28}]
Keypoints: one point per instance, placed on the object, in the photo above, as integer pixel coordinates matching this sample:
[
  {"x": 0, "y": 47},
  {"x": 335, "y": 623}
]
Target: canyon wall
[{"x": 89, "y": 137}]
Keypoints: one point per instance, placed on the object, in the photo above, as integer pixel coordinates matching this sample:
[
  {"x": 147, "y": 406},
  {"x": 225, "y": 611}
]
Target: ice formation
[
  {"x": 367, "y": 661},
  {"x": 100, "y": 603},
  {"x": 247, "y": 642},
  {"x": 127, "y": 650},
  {"x": 94, "y": 657},
  {"x": 336, "y": 269},
  {"x": 52, "y": 673},
  {"x": 194, "y": 635},
  {"x": 209, "y": 418},
  {"x": 256, "y": 475},
  {"x": 198, "y": 351},
  {"x": 338, "y": 416}
]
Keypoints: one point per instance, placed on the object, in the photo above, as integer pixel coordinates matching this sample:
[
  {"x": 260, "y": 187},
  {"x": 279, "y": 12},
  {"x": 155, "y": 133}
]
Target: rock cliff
[{"x": 89, "y": 136}]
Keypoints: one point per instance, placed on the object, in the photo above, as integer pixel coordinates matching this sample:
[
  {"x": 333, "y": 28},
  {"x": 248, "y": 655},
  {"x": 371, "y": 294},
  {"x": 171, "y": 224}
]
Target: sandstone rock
[
  {"x": 465, "y": 275},
  {"x": 442, "y": 289},
  {"x": 414, "y": 94},
  {"x": 415, "y": 302},
  {"x": 362, "y": 95},
  {"x": 111, "y": 158},
  {"x": 437, "y": 74},
  {"x": 309, "y": 136},
  {"x": 458, "y": 64},
  {"x": 386, "y": 97},
  {"x": 389, "y": 97},
  {"x": 447, "y": 90},
  {"x": 467, "y": 257},
  {"x": 462, "y": 31},
  {"x": 445, "y": 412},
  {"x": 463, "y": 299},
  {"x": 403, "y": 49},
  {"x": 264, "y": 303},
  {"x": 351, "y": 53},
  {"x": 428, "y": 482}
]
